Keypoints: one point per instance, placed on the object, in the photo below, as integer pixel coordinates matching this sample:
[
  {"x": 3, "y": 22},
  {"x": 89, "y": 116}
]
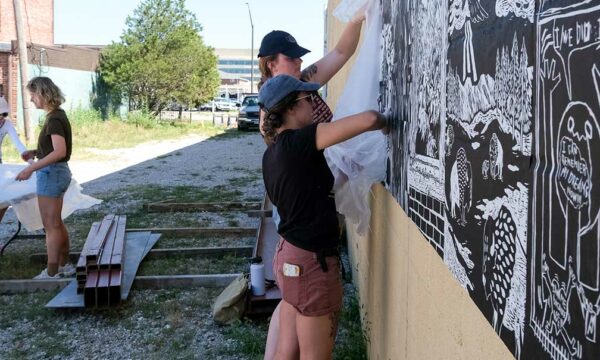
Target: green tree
[{"x": 161, "y": 58}]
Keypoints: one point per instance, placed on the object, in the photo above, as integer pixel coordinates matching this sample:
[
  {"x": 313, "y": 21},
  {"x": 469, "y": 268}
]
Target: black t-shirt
[
  {"x": 56, "y": 123},
  {"x": 299, "y": 183}
]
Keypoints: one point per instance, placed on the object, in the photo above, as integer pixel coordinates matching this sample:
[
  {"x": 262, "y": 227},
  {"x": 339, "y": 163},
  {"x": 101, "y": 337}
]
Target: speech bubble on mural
[{"x": 573, "y": 173}]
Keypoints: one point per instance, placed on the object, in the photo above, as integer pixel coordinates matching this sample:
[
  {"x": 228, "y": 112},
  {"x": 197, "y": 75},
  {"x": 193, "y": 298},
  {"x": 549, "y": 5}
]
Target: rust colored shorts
[{"x": 314, "y": 292}]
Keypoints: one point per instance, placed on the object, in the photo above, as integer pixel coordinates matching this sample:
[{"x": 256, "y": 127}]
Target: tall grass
[{"x": 90, "y": 131}]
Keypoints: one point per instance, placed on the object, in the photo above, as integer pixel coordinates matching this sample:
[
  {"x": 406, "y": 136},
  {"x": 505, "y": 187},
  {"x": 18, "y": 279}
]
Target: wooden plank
[
  {"x": 96, "y": 246},
  {"x": 81, "y": 262},
  {"x": 140, "y": 282},
  {"x": 89, "y": 293},
  {"x": 102, "y": 288},
  {"x": 183, "y": 281},
  {"x": 31, "y": 285},
  {"x": 266, "y": 244},
  {"x": 114, "y": 291},
  {"x": 242, "y": 231},
  {"x": 107, "y": 248},
  {"x": 118, "y": 254},
  {"x": 193, "y": 207},
  {"x": 259, "y": 213},
  {"x": 207, "y": 252}
]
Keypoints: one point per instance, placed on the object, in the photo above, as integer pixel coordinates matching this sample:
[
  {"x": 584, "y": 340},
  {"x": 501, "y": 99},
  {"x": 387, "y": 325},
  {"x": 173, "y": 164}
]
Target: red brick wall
[
  {"x": 8, "y": 81},
  {"x": 38, "y": 16}
]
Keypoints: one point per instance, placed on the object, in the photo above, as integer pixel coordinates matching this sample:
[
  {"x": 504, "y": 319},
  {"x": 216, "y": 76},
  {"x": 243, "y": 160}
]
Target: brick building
[
  {"x": 71, "y": 67},
  {"x": 38, "y": 22}
]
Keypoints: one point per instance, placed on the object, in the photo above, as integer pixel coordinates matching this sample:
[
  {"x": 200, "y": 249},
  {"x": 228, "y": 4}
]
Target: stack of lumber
[{"x": 100, "y": 265}]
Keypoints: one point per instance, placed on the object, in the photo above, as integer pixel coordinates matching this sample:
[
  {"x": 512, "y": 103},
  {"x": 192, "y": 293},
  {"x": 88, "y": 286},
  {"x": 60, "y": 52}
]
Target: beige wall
[{"x": 412, "y": 306}]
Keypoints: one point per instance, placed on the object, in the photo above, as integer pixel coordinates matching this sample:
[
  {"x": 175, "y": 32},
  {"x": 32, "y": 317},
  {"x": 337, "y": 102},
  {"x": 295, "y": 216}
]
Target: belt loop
[{"x": 321, "y": 259}]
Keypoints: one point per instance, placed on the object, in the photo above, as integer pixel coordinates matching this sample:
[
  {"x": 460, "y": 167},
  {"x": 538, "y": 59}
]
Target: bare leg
[
  {"x": 271, "y": 346},
  {"x": 316, "y": 335},
  {"x": 287, "y": 340},
  {"x": 57, "y": 238}
]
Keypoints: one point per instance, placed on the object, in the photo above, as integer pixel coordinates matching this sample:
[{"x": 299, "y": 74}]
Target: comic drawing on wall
[
  {"x": 494, "y": 154},
  {"x": 424, "y": 140},
  {"x": 565, "y": 269},
  {"x": 489, "y": 111},
  {"x": 394, "y": 95}
]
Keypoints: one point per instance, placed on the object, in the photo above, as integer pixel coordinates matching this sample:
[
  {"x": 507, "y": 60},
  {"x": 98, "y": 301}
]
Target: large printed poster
[{"x": 492, "y": 154}]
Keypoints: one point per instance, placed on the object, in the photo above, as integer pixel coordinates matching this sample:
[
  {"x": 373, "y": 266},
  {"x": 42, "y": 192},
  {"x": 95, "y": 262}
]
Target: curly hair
[
  {"x": 273, "y": 119},
  {"x": 45, "y": 88}
]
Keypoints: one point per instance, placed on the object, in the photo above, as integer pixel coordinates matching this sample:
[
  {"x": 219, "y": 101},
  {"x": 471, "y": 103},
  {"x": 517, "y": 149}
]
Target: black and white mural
[{"x": 492, "y": 154}]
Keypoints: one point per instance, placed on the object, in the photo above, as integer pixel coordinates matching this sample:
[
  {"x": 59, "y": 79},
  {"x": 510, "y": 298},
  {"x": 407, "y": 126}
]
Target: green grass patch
[
  {"x": 79, "y": 224},
  {"x": 90, "y": 131},
  {"x": 249, "y": 339},
  {"x": 186, "y": 265},
  {"x": 351, "y": 340},
  {"x": 18, "y": 266},
  {"x": 170, "y": 242}
]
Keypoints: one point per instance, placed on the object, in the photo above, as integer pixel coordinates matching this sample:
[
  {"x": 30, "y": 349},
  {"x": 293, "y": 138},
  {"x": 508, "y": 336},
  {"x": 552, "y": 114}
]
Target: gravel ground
[
  {"x": 152, "y": 324},
  {"x": 190, "y": 161}
]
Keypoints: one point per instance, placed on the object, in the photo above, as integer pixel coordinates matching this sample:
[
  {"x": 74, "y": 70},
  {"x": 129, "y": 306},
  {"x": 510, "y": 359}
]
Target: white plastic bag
[
  {"x": 346, "y": 9},
  {"x": 22, "y": 196},
  {"x": 360, "y": 161},
  {"x": 12, "y": 190}
]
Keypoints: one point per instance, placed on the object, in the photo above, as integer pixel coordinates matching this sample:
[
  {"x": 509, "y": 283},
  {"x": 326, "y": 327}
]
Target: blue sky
[{"x": 225, "y": 23}]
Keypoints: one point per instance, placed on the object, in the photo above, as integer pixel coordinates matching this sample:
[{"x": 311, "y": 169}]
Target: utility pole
[
  {"x": 22, "y": 46},
  {"x": 251, "y": 52}
]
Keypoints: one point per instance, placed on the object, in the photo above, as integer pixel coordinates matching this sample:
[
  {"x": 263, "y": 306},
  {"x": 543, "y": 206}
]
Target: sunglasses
[
  {"x": 309, "y": 98},
  {"x": 4, "y": 114}
]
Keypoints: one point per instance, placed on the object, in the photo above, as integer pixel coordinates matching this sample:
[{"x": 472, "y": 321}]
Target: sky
[{"x": 225, "y": 23}]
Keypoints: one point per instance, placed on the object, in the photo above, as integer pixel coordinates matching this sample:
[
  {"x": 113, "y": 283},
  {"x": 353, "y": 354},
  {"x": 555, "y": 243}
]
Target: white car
[{"x": 224, "y": 105}]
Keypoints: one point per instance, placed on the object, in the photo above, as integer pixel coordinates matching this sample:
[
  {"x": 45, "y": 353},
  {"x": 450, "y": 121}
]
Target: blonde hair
[
  {"x": 45, "y": 88},
  {"x": 265, "y": 72}
]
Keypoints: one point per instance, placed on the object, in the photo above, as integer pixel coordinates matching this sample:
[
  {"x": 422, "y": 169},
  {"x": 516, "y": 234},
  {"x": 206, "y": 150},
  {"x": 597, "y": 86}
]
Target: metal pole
[
  {"x": 251, "y": 52},
  {"x": 22, "y": 46}
]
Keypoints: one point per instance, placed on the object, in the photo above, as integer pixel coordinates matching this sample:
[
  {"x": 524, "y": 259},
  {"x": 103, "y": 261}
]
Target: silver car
[{"x": 249, "y": 113}]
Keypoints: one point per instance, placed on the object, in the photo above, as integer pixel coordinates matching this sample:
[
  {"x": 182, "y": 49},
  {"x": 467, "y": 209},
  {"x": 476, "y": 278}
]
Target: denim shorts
[{"x": 53, "y": 180}]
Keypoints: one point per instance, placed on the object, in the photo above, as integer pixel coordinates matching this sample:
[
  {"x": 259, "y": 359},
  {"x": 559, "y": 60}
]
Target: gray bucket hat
[{"x": 280, "y": 86}]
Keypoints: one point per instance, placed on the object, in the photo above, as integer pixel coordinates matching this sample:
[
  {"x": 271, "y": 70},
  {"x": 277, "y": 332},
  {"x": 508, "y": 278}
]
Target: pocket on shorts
[
  {"x": 61, "y": 177},
  {"x": 292, "y": 288}
]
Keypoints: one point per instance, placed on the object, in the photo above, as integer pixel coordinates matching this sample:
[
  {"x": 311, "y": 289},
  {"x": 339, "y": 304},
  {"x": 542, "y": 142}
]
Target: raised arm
[
  {"x": 323, "y": 70},
  {"x": 338, "y": 131}
]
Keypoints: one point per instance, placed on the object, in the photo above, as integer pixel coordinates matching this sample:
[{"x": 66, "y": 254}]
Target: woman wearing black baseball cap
[
  {"x": 299, "y": 182},
  {"x": 279, "y": 54}
]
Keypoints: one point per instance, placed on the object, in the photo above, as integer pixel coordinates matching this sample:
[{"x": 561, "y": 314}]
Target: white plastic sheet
[
  {"x": 361, "y": 161},
  {"x": 22, "y": 196},
  {"x": 346, "y": 9}
]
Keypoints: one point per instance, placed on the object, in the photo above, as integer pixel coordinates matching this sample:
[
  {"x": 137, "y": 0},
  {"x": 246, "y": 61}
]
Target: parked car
[
  {"x": 222, "y": 104},
  {"x": 248, "y": 117},
  {"x": 206, "y": 106}
]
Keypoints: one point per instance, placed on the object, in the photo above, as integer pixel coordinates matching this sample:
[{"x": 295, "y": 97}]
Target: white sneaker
[
  {"x": 44, "y": 276},
  {"x": 67, "y": 270}
]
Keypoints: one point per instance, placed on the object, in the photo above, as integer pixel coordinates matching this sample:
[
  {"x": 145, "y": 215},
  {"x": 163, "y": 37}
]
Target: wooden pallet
[{"x": 266, "y": 242}]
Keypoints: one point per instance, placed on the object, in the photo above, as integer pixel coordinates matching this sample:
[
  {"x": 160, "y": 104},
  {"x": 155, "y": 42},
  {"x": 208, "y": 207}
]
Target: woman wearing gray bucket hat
[
  {"x": 299, "y": 182},
  {"x": 280, "y": 53}
]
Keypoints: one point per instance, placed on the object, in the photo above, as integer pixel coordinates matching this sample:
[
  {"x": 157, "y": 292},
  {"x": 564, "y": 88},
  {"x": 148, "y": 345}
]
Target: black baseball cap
[{"x": 278, "y": 41}]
